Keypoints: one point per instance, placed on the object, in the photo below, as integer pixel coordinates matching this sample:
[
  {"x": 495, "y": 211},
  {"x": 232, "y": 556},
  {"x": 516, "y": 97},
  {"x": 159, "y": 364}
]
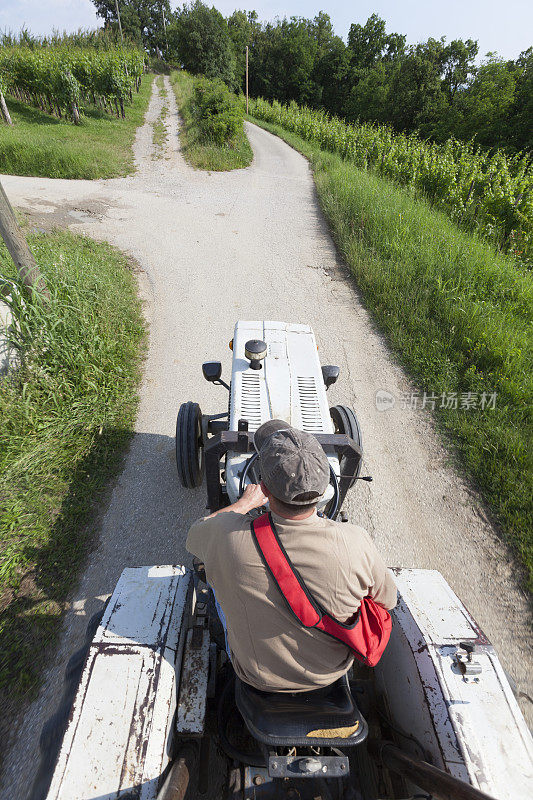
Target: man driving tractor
[{"x": 261, "y": 574}]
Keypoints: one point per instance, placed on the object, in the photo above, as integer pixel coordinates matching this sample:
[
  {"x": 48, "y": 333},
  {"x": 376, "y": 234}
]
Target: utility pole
[
  {"x": 119, "y": 23},
  {"x": 247, "y": 79},
  {"x": 18, "y": 248}
]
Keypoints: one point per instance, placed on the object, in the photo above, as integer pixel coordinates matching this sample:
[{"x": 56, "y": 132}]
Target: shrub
[
  {"x": 202, "y": 152},
  {"x": 219, "y": 115}
]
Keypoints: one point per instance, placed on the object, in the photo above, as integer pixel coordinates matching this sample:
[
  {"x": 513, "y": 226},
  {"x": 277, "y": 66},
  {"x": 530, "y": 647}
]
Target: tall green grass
[
  {"x": 199, "y": 152},
  {"x": 66, "y": 415},
  {"x": 456, "y": 312},
  {"x": 101, "y": 147}
]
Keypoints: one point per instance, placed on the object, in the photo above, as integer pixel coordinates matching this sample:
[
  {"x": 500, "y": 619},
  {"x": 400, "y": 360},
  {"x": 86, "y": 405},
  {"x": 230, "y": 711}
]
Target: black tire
[
  {"x": 345, "y": 421},
  {"x": 190, "y": 445}
]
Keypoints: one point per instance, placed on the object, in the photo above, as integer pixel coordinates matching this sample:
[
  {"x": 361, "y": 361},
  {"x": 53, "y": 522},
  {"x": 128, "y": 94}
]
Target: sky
[{"x": 503, "y": 27}]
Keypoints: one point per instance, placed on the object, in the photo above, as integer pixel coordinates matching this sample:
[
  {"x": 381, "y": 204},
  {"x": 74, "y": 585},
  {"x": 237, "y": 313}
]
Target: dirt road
[{"x": 252, "y": 244}]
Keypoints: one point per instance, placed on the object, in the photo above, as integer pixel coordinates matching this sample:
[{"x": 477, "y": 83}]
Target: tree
[
  {"x": 283, "y": 57},
  {"x": 331, "y": 75},
  {"x": 328, "y": 50},
  {"x": 369, "y": 43},
  {"x": 416, "y": 99},
  {"x": 487, "y": 102},
  {"x": 141, "y": 20},
  {"x": 242, "y": 26},
  {"x": 457, "y": 64},
  {"x": 372, "y": 55},
  {"x": 433, "y": 87},
  {"x": 520, "y": 132},
  {"x": 200, "y": 40},
  {"x": 297, "y": 53},
  {"x": 368, "y": 99}
]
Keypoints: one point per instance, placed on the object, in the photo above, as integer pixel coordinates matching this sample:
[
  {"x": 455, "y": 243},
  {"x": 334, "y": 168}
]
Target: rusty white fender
[
  {"x": 120, "y": 728},
  {"x": 147, "y": 672},
  {"x": 443, "y": 684}
]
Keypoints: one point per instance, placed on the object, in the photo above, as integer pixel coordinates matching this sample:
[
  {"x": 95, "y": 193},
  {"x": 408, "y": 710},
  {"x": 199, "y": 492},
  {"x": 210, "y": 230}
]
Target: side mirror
[
  {"x": 212, "y": 370},
  {"x": 330, "y": 374}
]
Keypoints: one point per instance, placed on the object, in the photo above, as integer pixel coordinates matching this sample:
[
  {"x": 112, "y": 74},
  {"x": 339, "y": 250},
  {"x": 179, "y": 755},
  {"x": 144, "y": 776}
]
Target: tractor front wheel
[
  {"x": 345, "y": 421},
  {"x": 190, "y": 445}
]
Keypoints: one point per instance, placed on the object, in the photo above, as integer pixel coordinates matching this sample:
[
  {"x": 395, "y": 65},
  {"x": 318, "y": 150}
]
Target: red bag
[{"x": 367, "y": 636}]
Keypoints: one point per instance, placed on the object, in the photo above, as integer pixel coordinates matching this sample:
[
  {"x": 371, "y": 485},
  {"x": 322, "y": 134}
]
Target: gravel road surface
[{"x": 252, "y": 244}]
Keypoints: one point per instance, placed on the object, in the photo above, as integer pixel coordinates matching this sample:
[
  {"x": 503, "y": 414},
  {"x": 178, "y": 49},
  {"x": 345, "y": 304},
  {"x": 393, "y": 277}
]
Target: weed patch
[{"x": 66, "y": 416}]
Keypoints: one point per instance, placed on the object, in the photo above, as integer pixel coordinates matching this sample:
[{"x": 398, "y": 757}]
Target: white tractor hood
[{"x": 289, "y": 386}]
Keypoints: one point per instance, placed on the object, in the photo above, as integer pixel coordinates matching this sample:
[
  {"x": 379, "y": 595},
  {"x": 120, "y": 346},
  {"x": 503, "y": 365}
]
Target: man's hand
[{"x": 252, "y": 497}]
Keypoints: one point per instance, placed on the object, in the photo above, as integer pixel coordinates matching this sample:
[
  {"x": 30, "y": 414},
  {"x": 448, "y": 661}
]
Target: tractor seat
[{"x": 326, "y": 717}]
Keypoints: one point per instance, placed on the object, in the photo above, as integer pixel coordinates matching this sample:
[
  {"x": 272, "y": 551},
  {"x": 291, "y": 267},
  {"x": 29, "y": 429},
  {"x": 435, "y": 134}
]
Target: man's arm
[
  {"x": 201, "y": 531},
  {"x": 384, "y": 589},
  {"x": 385, "y": 592},
  {"x": 252, "y": 497}
]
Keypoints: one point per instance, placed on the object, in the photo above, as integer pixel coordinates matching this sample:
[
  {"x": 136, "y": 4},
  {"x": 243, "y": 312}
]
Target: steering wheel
[{"x": 250, "y": 472}]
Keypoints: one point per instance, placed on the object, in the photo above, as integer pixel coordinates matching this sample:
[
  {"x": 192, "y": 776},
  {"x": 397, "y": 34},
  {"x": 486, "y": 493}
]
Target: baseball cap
[{"x": 294, "y": 466}]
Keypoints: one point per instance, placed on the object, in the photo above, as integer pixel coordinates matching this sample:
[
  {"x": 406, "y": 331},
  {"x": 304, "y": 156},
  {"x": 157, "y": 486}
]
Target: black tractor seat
[{"x": 326, "y": 717}]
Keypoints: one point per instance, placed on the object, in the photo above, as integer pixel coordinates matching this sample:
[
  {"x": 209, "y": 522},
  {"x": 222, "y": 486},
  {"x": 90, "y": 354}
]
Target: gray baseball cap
[{"x": 294, "y": 466}]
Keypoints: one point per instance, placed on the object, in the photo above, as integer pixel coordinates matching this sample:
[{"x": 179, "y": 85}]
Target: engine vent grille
[
  {"x": 251, "y": 401},
  {"x": 309, "y": 405}
]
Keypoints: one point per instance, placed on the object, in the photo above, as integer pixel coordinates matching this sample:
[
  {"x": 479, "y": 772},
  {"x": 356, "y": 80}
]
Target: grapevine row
[
  {"x": 488, "y": 192},
  {"x": 60, "y": 79}
]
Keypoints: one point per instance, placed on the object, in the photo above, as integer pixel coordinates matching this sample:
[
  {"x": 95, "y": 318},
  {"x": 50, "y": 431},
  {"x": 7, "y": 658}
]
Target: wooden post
[
  {"x": 5, "y": 112},
  {"x": 18, "y": 249},
  {"x": 246, "y": 78},
  {"x": 119, "y": 23}
]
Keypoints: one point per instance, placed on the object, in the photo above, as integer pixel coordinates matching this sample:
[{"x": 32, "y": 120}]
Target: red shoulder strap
[
  {"x": 366, "y": 636},
  {"x": 286, "y": 576}
]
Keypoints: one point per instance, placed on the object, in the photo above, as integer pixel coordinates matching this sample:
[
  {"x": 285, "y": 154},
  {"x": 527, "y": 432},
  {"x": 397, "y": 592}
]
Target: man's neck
[{"x": 304, "y": 515}]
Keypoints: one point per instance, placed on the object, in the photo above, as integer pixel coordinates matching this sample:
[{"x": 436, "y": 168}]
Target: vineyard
[
  {"x": 491, "y": 193},
  {"x": 58, "y": 80}
]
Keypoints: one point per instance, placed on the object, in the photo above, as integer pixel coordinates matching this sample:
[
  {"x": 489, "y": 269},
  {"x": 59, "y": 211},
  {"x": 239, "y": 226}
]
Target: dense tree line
[{"x": 433, "y": 87}]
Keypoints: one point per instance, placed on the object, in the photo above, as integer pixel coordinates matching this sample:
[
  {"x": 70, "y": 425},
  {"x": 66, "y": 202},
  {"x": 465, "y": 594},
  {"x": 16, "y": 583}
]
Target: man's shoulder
[
  {"x": 356, "y": 538},
  {"x": 209, "y": 531},
  {"x": 227, "y": 521},
  {"x": 350, "y": 528}
]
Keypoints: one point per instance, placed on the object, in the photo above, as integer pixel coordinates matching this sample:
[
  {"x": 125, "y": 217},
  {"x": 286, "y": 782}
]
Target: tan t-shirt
[{"x": 269, "y": 648}]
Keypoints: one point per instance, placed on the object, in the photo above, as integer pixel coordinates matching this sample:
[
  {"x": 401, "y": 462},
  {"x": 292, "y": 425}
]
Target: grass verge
[
  {"x": 66, "y": 416},
  {"x": 101, "y": 147},
  {"x": 235, "y": 154},
  {"x": 456, "y": 312},
  {"x": 159, "y": 127}
]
